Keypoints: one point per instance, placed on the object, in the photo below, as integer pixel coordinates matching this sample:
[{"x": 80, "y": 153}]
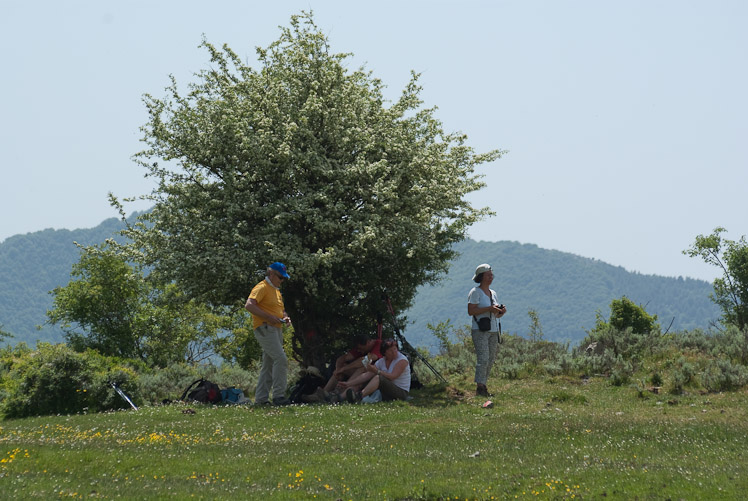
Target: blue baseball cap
[{"x": 280, "y": 268}]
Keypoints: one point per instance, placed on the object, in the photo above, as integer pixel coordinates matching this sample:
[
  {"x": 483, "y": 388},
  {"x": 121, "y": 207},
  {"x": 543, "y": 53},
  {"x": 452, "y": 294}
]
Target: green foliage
[
  {"x": 112, "y": 307},
  {"x": 168, "y": 383},
  {"x": 99, "y": 309},
  {"x": 713, "y": 362},
  {"x": 536, "y": 330},
  {"x": 241, "y": 346},
  {"x": 625, "y": 314},
  {"x": 731, "y": 290},
  {"x": 301, "y": 161},
  {"x": 54, "y": 379},
  {"x": 455, "y": 357},
  {"x": 618, "y": 346},
  {"x": 723, "y": 375},
  {"x": 516, "y": 357},
  {"x": 731, "y": 343},
  {"x": 682, "y": 375}
]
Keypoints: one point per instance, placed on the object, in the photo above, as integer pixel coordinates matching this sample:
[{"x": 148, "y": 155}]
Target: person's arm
[
  {"x": 474, "y": 310},
  {"x": 255, "y": 309},
  {"x": 501, "y": 312},
  {"x": 342, "y": 360},
  {"x": 345, "y": 363},
  {"x": 286, "y": 319}
]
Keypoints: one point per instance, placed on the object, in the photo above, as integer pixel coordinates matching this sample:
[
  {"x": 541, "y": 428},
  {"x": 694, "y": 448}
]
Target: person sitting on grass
[
  {"x": 350, "y": 364},
  {"x": 348, "y": 369},
  {"x": 390, "y": 375}
]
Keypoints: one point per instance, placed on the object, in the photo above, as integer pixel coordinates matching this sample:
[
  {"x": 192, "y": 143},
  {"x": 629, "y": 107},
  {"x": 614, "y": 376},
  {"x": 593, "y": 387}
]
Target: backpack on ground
[
  {"x": 204, "y": 392},
  {"x": 308, "y": 382},
  {"x": 233, "y": 396}
]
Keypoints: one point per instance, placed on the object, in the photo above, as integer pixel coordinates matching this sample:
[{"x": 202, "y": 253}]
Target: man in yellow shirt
[{"x": 265, "y": 303}]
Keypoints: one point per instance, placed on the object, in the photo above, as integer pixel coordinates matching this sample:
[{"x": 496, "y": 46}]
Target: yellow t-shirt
[{"x": 269, "y": 299}]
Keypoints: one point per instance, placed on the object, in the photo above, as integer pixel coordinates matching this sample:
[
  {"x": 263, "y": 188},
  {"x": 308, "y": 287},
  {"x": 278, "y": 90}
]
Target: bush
[
  {"x": 732, "y": 343},
  {"x": 54, "y": 379},
  {"x": 516, "y": 355},
  {"x": 722, "y": 375},
  {"x": 682, "y": 375},
  {"x": 606, "y": 346},
  {"x": 167, "y": 384}
]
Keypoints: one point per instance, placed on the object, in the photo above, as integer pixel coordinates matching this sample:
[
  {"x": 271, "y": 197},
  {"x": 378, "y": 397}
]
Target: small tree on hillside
[
  {"x": 730, "y": 291},
  {"x": 625, "y": 314},
  {"x": 111, "y": 307},
  {"x": 303, "y": 162},
  {"x": 536, "y": 330},
  {"x": 628, "y": 332}
]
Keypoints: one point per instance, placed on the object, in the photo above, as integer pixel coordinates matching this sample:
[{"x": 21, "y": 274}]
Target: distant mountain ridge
[
  {"x": 33, "y": 264},
  {"x": 565, "y": 289}
]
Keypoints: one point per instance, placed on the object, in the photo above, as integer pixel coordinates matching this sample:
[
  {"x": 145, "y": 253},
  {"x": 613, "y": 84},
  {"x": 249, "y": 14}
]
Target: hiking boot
[
  {"x": 281, "y": 401},
  {"x": 482, "y": 391},
  {"x": 353, "y": 396},
  {"x": 311, "y": 399},
  {"x": 321, "y": 394},
  {"x": 332, "y": 398}
]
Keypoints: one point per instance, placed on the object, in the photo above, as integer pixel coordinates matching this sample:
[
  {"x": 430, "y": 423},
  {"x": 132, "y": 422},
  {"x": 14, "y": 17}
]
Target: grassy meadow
[{"x": 544, "y": 438}]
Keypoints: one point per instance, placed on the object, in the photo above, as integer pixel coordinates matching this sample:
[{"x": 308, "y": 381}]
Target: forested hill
[
  {"x": 33, "y": 264},
  {"x": 564, "y": 289}
]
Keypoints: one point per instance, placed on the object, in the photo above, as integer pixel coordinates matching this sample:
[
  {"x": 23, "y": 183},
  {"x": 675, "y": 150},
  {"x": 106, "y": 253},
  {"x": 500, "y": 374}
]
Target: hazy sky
[{"x": 626, "y": 122}]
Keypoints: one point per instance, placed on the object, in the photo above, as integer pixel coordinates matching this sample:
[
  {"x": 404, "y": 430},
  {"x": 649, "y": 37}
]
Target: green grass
[{"x": 544, "y": 438}]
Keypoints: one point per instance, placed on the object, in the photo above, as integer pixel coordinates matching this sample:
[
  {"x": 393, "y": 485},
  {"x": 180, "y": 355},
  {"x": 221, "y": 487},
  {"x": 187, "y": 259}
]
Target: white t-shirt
[
  {"x": 477, "y": 296},
  {"x": 403, "y": 380}
]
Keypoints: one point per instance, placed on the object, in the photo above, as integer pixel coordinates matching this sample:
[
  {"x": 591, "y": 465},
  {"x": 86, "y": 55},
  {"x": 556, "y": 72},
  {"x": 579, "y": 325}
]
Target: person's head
[
  {"x": 481, "y": 272},
  {"x": 388, "y": 344},
  {"x": 360, "y": 342},
  {"x": 277, "y": 273}
]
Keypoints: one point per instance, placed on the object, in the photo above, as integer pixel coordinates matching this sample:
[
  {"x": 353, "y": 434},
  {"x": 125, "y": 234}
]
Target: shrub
[
  {"x": 516, "y": 355},
  {"x": 682, "y": 375},
  {"x": 722, "y": 375},
  {"x": 167, "y": 384},
  {"x": 732, "y": 343},
  {"x": 54, "y": 379},
  {"x": 612, "y": 345}
]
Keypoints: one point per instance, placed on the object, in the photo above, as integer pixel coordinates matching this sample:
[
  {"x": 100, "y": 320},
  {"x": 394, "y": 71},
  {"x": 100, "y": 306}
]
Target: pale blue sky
[{"x": 626, "y": 122}]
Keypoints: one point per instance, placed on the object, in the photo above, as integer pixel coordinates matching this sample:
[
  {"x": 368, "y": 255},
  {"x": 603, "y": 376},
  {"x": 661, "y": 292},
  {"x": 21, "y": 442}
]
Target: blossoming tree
[{"x": 303, "y": 161}]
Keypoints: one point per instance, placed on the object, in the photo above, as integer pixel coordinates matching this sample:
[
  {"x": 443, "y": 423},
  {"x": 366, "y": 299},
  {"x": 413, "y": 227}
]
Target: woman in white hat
[{"x": 486, "y": 312}]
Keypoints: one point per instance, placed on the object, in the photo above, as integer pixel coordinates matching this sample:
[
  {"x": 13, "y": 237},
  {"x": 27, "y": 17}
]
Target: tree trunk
[{"x": 309, "y": 344}]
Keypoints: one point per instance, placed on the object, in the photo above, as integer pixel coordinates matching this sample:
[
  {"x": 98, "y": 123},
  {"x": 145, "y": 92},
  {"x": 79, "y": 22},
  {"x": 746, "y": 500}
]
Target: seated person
[
  {"x": 348, "y": 369},
  {"x": 390, "y": 375}
]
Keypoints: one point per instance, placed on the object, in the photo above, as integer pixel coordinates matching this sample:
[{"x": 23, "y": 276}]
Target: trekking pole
[
  {"x": 122, "y": 394},
  {"x": 406, "y": 344}
]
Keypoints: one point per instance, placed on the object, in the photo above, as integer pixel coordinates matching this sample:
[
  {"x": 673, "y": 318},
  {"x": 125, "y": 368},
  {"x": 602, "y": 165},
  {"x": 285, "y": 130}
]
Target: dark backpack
[
  {"x": 205, "y": 392},
  {"x": 304, "y": 386}
]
